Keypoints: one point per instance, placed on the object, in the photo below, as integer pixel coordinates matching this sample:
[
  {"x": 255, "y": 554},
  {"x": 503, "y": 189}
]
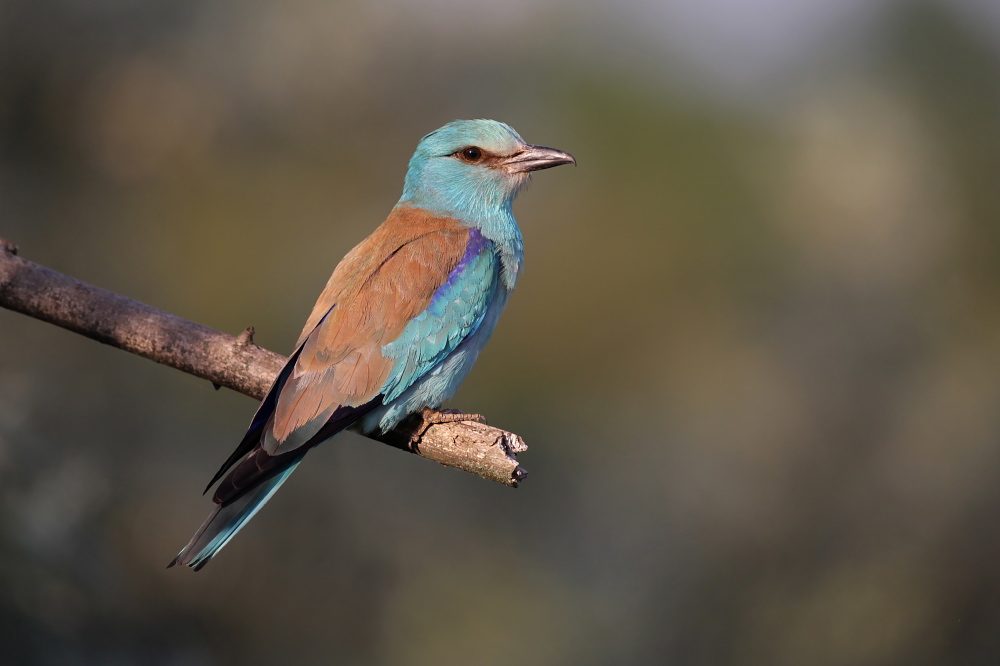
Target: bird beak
[{"x": 535, "y": 158}]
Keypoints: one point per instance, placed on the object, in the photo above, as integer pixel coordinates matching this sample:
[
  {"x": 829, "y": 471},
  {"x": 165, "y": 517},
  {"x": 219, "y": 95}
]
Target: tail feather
[{"x": 223, "y": 524}]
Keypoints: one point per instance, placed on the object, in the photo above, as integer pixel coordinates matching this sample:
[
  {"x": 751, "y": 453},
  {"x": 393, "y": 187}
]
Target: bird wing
[
  {"x": 454, "y": 313},
  {"x": 396, "y": 306}
]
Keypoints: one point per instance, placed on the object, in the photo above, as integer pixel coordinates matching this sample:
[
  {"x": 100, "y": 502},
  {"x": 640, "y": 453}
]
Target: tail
[{"x": 227, "y": 520}]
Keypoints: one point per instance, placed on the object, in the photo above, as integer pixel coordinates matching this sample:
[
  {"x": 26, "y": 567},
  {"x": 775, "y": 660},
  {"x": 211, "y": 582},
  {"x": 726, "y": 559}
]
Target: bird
[{"x": 400, "y": 322}]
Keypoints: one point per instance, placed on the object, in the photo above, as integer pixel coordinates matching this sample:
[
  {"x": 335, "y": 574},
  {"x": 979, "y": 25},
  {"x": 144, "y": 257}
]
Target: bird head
[{"x": 473, "y": 168}]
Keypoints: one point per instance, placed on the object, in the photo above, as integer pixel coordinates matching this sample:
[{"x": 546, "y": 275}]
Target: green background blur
[{"x": 755, "y": 351}]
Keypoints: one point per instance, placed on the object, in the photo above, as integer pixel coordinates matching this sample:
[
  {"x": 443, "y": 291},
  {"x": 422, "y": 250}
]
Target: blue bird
[{"x": 400, "y": 322}]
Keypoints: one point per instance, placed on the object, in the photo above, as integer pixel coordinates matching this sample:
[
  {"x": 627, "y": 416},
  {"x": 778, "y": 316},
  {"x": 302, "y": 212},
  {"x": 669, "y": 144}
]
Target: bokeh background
[{"x": 755, "y": 352}]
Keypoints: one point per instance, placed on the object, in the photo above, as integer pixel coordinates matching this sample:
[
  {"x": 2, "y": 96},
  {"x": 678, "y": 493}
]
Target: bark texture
[{"x": 225, "y": 360}]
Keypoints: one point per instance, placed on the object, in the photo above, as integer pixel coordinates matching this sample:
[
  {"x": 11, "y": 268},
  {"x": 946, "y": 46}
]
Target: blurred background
[{"x": 755, "y": 352}]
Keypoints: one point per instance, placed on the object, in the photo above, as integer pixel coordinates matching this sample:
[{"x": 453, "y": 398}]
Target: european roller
[{"x": 400, "y": 322}]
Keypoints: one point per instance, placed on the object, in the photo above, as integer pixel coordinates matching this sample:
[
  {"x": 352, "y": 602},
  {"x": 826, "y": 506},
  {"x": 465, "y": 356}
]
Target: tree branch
[{"x": 224, "y": 360}]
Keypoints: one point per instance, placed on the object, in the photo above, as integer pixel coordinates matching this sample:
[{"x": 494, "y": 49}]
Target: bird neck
[{"x": 502, "y": 229}]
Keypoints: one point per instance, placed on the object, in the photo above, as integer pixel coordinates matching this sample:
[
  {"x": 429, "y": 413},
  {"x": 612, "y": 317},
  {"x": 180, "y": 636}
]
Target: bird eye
[{"x": 472, "y": 154}]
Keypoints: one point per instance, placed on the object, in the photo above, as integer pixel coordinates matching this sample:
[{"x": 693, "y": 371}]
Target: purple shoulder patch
[{"x": 476, "y": 243}]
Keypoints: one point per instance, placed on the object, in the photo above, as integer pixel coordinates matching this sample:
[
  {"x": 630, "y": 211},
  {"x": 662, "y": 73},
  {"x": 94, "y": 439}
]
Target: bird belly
[{"x": 441, "y": 382}]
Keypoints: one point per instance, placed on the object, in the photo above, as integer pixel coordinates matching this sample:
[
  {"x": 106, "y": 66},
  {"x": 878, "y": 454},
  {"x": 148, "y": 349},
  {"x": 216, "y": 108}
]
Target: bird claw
[{"x": 429, "y": 417}]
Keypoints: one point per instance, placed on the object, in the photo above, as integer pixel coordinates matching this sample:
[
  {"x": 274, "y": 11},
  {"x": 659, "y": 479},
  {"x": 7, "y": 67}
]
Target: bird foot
[{"x": 429, "y": 417}]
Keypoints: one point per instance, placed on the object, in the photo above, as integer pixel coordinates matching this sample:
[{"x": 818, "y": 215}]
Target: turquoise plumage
[
  {"x": 455, "y": 312},
  {"x": 401, "y": 320}
]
